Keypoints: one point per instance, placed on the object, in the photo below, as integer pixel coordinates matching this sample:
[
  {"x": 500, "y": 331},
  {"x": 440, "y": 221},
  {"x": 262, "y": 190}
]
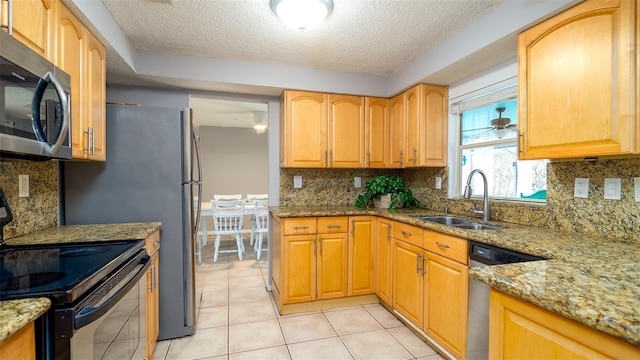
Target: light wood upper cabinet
[
  {"x": 578, "y": 83},
  {"x": 94, "y": 99},
  {"x": 426, "y": 122},
  {"x": 80, "y": 54},
  {"x": 69, "y": 50},
  {"x": 520, "y": 330},
  {"x": 376, "y": 132},
  {"x": 305, "y": 129},
  {"x": 346, "y": 131},
  {"x": 397, "y": 132},
  {"x": 361, "y": 255},
  {"x": 31, "y": 23}
]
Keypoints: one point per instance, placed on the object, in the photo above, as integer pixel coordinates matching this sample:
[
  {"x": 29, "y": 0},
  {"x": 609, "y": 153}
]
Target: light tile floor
[{"x": 237, "y": 319}]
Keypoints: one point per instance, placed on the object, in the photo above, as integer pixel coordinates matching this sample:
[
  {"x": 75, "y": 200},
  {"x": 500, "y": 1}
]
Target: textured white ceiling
[{"x": 375, "y": 37}]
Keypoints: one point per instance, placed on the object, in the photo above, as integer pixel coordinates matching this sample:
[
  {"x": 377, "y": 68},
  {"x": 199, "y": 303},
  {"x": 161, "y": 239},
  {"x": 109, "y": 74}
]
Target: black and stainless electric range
[{"x": 97, "y": 292}]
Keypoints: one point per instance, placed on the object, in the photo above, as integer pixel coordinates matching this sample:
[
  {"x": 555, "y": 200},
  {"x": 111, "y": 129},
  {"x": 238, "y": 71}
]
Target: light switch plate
[
  {"x": 297, "y": 182},
  {"x": 612, "y": 188},
  {"x": 438, "y": 182},
  {"x": 23, "y": 185},
  {"x": 581, "y": 188},
  {"x": 357, "y": 182},
  {"x": 636, "y": 187}
]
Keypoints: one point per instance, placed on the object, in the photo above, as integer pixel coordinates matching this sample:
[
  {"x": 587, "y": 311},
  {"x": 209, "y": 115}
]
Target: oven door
[{"x": 110, "y": 323}]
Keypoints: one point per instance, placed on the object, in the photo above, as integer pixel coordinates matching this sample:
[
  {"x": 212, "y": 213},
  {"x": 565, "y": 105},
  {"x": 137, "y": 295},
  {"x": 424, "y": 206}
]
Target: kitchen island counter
[{"x": 590, "y": 279}]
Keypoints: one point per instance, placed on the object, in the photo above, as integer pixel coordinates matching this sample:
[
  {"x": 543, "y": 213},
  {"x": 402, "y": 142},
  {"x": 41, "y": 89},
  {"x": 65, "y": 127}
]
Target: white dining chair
[
  {"x": 227, "y": 196},
  {"x": 261, "y": 214},
  {"x": 228, "y": 220},
  {"x": 250, "y": 201}
]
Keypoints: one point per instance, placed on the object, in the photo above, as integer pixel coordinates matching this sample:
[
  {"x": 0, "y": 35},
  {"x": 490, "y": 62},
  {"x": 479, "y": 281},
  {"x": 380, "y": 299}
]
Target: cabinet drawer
[
  {"x": 408, "y": 233},
  {"x": 152, "y": 244},
  {"x": 299, "y": 226},
  {"x": 450, "y": 247},
  {"x": 328, "y": 225}
]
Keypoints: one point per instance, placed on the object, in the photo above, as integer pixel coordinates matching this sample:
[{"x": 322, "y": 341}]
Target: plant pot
[{"x": 383, "y": 203}]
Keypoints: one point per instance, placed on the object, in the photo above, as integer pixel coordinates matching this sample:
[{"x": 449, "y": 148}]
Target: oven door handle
[{"x": 91, "y": 314}]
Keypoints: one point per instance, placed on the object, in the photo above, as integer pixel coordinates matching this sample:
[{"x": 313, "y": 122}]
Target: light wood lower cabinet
[
  {"x": 153, "y": 292},
  {"x": 384, "y": 256},
  {"x": 408, "y": 281},
  {"x": 21, "y": 345},
  {"x": 332, "y": 258},
  {"x": 361, "y": 280},
  {"x": 520, "y": 330}
]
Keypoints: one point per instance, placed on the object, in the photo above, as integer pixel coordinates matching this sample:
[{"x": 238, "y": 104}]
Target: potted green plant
[{"x": 386, "y": 185}]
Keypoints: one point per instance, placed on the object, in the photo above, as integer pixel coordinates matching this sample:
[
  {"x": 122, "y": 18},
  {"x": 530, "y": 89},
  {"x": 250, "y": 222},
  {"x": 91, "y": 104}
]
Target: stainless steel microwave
[{"x": 35, "y": 118}]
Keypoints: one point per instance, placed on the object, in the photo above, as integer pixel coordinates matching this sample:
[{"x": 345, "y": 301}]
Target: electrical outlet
[
  {"x": 297, "y": 182},
  {"x": 438, "y": 182},
  {"x": 636, "y": 188},
  {"x": 357, "y": 182},
  {"x": 612, "y": 188},
  {"x": 581, "y": 189},
  {"x": 23, "y": 185}
]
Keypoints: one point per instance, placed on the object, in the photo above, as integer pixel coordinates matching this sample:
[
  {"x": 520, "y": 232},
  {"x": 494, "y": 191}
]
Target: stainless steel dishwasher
[{"x": 478, "y": 322}]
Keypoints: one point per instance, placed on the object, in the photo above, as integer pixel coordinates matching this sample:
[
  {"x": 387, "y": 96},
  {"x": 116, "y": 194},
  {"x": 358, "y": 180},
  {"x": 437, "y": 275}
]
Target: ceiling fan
[{"x": 500, "y": 126}]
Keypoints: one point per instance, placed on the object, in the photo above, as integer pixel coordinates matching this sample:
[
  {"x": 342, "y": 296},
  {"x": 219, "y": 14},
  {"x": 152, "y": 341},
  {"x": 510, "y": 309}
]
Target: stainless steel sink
[
  {"x": 474, "y": 226},
  {"x": 446, "y": 220}
]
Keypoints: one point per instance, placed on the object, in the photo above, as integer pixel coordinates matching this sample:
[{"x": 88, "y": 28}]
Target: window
[{"x": 488, "y": 141}]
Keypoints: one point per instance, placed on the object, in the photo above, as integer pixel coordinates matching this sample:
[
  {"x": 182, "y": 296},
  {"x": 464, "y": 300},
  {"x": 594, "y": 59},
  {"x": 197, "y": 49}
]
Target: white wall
[{"x": 234, "y": 161}]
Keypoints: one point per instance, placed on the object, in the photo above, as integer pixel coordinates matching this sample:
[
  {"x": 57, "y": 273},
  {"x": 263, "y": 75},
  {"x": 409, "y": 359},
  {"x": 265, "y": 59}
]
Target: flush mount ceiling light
[
  {"x": 302, "y": 15},
  {"x": 260, "y": 118}
]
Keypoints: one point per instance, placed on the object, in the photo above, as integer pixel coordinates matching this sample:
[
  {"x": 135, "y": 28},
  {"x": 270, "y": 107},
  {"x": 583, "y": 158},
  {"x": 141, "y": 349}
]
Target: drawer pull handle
[
  {"x": 301, "y": 227},
  {"x": 441, "y": 245},
  {"x": 156, "y": 243},
  {"x": 406, "y": 233},
  {"x": 332, "y": 226}
]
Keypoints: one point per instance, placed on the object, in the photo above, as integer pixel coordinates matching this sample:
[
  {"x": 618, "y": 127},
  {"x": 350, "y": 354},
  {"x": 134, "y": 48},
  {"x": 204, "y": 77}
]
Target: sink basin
[
  {"x": 474, "y": 226},
  {"x": 446, "y": 220}
]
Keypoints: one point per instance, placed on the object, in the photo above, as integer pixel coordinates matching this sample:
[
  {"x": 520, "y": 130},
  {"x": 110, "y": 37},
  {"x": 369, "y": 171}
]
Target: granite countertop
[
  {"x": 589, "y": 279},
  {"x": 15, "y": 314}
]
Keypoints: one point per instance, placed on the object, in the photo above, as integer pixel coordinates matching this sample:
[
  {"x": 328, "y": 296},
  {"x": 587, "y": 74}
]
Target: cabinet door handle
[
  {"x": 320, "y": 247},
  {"x": 353, "y": 228},
  {"x": 414, "y": 155},
  {"x": 388, "y": 232},
  {"x": 88, "y": 148},
  {"x": 520, "y": 142},
  {"x": 314, "y": 245},
  {"x": 401, "y": 153},
  {"x": 9, "y": 25},
  {"x": 368, "y": 159},
  {"x": 442, "y": 245},
  {"x": 424, "y": 268},
  {"x": 326, "y": 163},
  {"x": 331, "y": 158},
  {"x": 92, "y": 133},
  {"x": 406, "y": 233},
  {"x": 418, "y": 261}
]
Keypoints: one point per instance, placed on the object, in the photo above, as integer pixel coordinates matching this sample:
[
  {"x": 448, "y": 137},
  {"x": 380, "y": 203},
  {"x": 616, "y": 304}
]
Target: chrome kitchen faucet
[{"x": 485, "y": 212}]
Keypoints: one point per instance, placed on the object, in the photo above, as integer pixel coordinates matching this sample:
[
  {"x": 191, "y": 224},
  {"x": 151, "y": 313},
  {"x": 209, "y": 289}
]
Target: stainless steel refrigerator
[{"x": 152, "y": 173}]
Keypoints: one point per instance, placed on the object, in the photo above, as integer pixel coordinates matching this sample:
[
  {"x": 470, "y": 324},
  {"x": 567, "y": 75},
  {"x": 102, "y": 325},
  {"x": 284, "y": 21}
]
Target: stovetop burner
[
  {"x": 27, "y": 281},
  {"x": 61, "y": 272}
]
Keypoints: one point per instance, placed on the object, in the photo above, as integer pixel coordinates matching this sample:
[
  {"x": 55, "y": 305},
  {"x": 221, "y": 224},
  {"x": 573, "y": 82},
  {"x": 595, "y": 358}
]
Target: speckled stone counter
[
  {"x": 87, "y": 233},
  {"x": 588, "y": 279},
  {"x": 16, "y": 314}
]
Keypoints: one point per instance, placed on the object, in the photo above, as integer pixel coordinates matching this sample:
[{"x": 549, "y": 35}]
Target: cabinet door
[
  {"x": 153, "y": 300},
  {"x": 408, "y": 282},
  {"x": 69, "y": 54},
  {"x": 384, "y": 240},
  {"x": 519, "y": 330},
  {"x": 397, "y": 132},
  {"x": 412, "y": 108},
  {"x": 346, "y": 131},
  {"x": 94, "y": 98},
  {"x": 31, "y": 21},
  {"x": 299, "y": 268},
  {"x": 446, "y": 301},
  {"x": 361, "y": 256},
  {"x": 433, "y": 131},
  {"x": 377, "y": 132},
  {"x": 21, "y": 345},
  {"x": 333, "y": 250},
  {"x": 305, "y": 129},
  {"x": 577, "y": 78}
]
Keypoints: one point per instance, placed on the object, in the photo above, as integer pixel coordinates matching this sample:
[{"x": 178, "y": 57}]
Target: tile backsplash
[
  {"x": 40, "y": 209},
  {"x": 594, "y": 215}
]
